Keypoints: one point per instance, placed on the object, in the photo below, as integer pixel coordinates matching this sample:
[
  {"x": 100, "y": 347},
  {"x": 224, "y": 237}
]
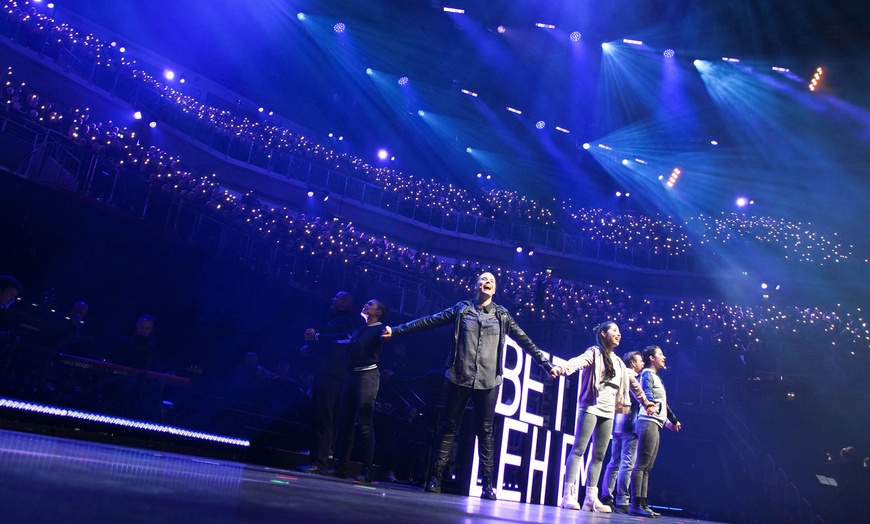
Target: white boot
[
  {"x": 591, "y": 503},
  {"x": 569, "y": 497}
]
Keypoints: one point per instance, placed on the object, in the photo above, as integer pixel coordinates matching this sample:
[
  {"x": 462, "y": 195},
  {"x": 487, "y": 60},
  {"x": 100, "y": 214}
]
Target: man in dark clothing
[{"x": 330, "y": 365}]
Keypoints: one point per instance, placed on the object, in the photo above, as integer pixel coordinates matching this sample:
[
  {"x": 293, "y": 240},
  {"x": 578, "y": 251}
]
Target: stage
[{"x": 51, "y": 479}]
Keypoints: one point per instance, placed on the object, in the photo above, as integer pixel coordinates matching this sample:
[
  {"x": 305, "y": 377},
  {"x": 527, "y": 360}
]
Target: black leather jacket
[{"x": 454, "y": 314}]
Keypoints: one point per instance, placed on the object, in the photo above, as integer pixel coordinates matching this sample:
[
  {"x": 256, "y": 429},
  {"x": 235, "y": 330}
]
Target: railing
[{"x": 290, "y": 165}]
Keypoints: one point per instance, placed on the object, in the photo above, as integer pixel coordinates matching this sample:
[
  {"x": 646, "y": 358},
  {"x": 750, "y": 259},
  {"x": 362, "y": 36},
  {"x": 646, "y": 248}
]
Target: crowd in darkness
[
  {"x": 538, "y": 297},
  {"x": 274, "y": 147}
]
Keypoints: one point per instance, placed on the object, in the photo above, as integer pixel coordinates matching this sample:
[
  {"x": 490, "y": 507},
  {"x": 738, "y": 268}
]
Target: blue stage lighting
[
  {"x": 152, "y": 124},
  {"x": 137, "y": 115},
  {"x": 669, "y": 53},
  {"x": 300, "y": 16},
  {"x": 370, "y": 71},
  {"x": 540, "y": 124},
  {"x": 574, "y": 36},
  {"x": 421, "y": 113},
  {"x": 468, "y": 150},
  {"x": 501, "y": 29},
  {"x": 169, "y": 74},
  {"x": 605, "y": 46},
  {"x": 742, "y": 201},
  {"x": 339, "y": 27},
  {"x": 403, "y": 81},
  {"x": 586, "y": 145},
  {"x": 625, "y": 161},
  {"x": 382, "y": 154}
]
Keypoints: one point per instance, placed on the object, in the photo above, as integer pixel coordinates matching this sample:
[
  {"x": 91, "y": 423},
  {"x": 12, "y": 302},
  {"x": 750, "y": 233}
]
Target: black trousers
[
  {"x": 325, "y": 396},
  {"x": 358, "y": 408},
  {"x": 483, "y": 402}
]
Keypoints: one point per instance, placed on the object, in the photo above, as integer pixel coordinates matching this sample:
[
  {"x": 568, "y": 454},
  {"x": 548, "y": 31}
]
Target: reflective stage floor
[{"x": 48, "y": 479}]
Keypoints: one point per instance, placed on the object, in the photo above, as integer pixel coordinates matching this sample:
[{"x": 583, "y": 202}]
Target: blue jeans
[
  {"x": 623, "y": 450},
  {"x": 599, "y": 429},
  {"x": 648, "y": 436},
  {"x": 358, "y": 406}
]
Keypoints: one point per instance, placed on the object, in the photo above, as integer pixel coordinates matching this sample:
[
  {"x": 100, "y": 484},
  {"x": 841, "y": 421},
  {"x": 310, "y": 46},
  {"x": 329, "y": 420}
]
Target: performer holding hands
[{"x": 603, "y": 391}]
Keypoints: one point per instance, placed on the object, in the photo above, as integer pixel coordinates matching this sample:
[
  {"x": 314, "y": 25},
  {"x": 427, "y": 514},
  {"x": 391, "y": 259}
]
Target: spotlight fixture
[
  {"x": 668, "y": 53},
  {"x": 339, "y": 28},
  {"x": 370, "y": 71},
  {"x": 403, "y": 81},
  {"x": 501, "y": 29},
  {"x": 540, "y": 124},
  {"x": 814, "y": 83},
  {"x": 512, "y": 110},
  {"x": 675, "y": 175},
  {"x": 731, "y": 60},
  {"x": 300, "y": 16},
  {"x": 544, "y": 26},
  {"x": 169, "y": 74},
  {"x": 562, "y": 129},
  {"x": 575, "y": 36},
  {"x": 632, "y": 42},
  {"x": 469, "y": 93},
  {"x": 454, "y": 10},
  {"x": 383, "y": 154}
]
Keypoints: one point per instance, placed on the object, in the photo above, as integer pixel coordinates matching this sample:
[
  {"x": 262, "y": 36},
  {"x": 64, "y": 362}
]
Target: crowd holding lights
[
  {"x": 539, "y": 297},
  {"x": 795, "y": 240},
  {"x": 269, "y": 143}
]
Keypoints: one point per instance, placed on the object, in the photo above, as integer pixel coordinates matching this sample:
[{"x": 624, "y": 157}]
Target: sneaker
[{"x": 620, "y": 508}]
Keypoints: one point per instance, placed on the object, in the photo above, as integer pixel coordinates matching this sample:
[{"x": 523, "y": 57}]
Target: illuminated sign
[{"x": 535, "y": 420}]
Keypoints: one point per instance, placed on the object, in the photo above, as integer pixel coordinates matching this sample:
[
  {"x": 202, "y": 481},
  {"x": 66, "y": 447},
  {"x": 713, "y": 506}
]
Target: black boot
[
  {"x": 638, "y": 509},
  {"x": 486, "y": 486},
  {"x": 434, "y": 484},
  {"x": 644, "y": 503}
]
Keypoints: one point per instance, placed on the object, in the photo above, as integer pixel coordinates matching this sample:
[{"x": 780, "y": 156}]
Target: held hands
[
  {"x": 386, "y": 333},
  {"x": 556, "y": 371}
]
